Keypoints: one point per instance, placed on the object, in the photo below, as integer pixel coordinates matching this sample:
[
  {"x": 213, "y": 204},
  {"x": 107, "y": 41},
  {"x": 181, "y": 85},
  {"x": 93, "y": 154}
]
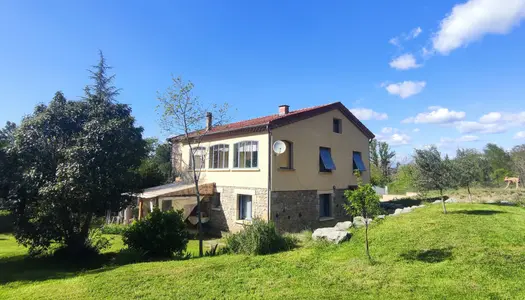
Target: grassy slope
[{"x": 476, "y": 251}]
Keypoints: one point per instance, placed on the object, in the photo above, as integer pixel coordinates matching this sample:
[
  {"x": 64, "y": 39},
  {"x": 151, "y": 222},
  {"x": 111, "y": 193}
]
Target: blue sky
[{"x": 416, "y": 72}]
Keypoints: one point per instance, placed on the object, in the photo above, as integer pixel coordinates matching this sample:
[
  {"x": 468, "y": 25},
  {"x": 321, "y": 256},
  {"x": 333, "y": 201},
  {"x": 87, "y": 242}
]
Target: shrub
[
  {"x": 160, "y": 234},
  {"x": 113, "y": 228},
  {"x": 259, "y": 238}
]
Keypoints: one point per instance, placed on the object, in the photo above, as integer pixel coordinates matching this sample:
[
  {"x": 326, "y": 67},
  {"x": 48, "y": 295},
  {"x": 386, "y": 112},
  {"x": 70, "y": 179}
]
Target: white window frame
[
  {"x": 196, "y": 150},
  {"x": 237, "y": 154},
  {"x": 225, "y": 164}
]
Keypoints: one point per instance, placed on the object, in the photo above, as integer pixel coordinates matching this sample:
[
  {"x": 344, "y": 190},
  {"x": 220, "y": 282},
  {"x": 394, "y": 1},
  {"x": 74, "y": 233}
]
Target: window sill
[
  {"x": 243, "y": 222},
  {"x": 326, "y": 219},
  {"x": 325, "y": 172},
  {"x": 286, "y": 169},
  {"x": 218, "y": 170},
  {"x": 246, "y": 170},
  {"x": 216, "y": 208}
]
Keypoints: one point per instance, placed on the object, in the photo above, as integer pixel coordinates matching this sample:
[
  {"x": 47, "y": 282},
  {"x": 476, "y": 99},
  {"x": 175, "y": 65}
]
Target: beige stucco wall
[
  {"x": 307, "y": 136},
  {"x": 255, "y": 178}
]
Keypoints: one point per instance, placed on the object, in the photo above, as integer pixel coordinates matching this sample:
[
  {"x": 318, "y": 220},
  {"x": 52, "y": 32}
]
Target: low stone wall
[{"x": 294, "y": 211}]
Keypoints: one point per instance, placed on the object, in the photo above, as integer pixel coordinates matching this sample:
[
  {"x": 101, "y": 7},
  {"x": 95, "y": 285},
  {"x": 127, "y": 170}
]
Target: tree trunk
[
  {"x": 366, "y": 240},
  {"x": 443, "y": 202},
  {"x": 469, "y": 195},
  {"x": 197, "y": 193}
]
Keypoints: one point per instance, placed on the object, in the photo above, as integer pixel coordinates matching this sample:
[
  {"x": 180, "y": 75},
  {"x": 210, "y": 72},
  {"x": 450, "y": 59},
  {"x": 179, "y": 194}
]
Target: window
[
  {"x": 200, "y": 156},
  {"x": 245, "y": 207},
  {"x": 325, "y": 205},
  {"x": 358, "y": 162},
  {"x": 326, "y": 164},
  {"x": 219, "y": 156},
  {"x": 245, "y": 155},
  {"x": 166, "y": 205},
  {"x": 216, "y": 201},
  {"x": 285, "y": 160},
  {"x": 337, "y": 126}
]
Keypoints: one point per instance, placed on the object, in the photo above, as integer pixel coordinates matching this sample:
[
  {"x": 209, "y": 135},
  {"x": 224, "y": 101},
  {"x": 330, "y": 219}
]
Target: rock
[
  {"x": 507, "y": 203},
  {"x": 360, "y": 222},
  {"x": 343, "y": 225},
  {"x": 397, "y": 212},
  {"x": 406, "y": 210},
  {"x": 436, "y": 202},
  {"x": 331, "y": 235},
  {"x": 380, "y": 217},
  {"x": 451, "y": 200},
  {"x": 414, "y": 207},
  {"x": 422, "y": 205}
]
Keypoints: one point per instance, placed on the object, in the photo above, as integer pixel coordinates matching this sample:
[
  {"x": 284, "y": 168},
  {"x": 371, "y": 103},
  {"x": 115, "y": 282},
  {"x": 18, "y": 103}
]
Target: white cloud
[
  {"x": 472, "y": 20},
  {"x": 445, "y": 141},
  {"x": 468, "y": 138},
  {"x": 393, "y": 136},
  {"x": 368, "y": 114},
  {"x": 415, "y": 130},
  {"x": 520, "y": 135},
  {"x": 438, "y": 115},
  {"x": 471, "y": 127},
  {"x": 395, "y": 41},
  {"x": 491, "y": 117},
  {"x": 414, "y": 33},
  {"x": 404, "y": 62},
  {"x": 405, "y": 89}
]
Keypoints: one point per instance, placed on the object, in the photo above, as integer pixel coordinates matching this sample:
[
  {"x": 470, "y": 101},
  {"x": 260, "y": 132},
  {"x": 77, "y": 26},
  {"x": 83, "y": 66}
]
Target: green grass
[{"x": 477, "y": 251}]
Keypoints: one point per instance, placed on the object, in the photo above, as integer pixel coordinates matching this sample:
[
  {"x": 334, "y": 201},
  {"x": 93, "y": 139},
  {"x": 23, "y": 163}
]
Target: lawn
[{"x": 476, "y": 251}]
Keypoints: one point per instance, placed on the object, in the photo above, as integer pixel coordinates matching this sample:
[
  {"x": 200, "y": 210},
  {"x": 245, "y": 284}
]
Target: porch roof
[{"x": 177, "y": 189}]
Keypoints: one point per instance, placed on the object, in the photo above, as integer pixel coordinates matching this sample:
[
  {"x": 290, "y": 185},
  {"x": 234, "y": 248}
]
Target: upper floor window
[
  {"x": 359, "y": 165},
  {"x": 219, "y": 156},
  {"x": 326, "y": 164},
  {"x": 337, "y": 126},
  {"x": 200, "y": 157},
  {"x": 285, "y": 160},
  {"x": 245, "y": 154}
]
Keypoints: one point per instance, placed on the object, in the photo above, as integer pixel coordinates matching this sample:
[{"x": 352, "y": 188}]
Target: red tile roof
[{"x": 276, "y": 120}]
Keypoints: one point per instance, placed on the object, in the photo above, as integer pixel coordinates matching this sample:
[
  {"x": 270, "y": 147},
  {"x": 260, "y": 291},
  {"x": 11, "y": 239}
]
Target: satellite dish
[{"x": 279, "y": 147}]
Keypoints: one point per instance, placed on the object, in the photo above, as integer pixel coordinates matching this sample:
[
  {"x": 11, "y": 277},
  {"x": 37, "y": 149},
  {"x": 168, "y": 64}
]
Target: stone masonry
[
  {"x": 225, "y": 218},
  {"x": 294, "y": 211}
]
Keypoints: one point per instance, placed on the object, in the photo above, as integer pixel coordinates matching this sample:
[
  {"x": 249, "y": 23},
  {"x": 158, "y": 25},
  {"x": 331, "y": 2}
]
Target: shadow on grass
[
  {"x": 478, "y": 212},
  {"x": 406, "y": 202},
  {"x": 428, "y": 255}
]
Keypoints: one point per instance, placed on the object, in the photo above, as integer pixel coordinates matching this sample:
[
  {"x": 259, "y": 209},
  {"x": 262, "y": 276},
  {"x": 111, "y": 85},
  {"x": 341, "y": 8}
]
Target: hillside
[{"x": 476, "y": 251}]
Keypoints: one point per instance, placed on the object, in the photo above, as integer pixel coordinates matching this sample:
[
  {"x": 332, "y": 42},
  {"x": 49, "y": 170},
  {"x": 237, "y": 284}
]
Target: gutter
[{"x": 270, "y": 156}]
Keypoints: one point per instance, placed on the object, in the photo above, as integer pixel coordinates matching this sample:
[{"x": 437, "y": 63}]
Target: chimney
[
  {"x": 283, "y": 109},
  {"x": 208, "y": 121}
]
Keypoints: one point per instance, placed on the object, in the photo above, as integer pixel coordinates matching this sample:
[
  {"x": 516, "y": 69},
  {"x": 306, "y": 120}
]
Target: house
[{"x": 291, "y": 167}]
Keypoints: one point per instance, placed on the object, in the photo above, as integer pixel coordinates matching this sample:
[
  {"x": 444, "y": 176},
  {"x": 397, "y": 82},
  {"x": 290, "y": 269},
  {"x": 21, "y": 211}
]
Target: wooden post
[{"x": 141, "y": 201}]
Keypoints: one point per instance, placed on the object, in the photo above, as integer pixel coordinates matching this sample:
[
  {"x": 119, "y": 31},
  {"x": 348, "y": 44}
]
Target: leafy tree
[
  {"x": 374, "y": 156},
  {"x": 363, "y": 202},
  {"x": 6, "y": 160},
  {"x": 499, "y": 160},
  {"x": 156, "y": 168},
  {"x": 376, "y": 177},
  {"x": 76, "y": 160},
  {"x": 432, "y": 172},
  {"x": 518, "y": 160},
  {"x": 404, "y": 179},
  {"x": 467, "y": 168},
  {"x": 183, "y": 114},
  {"x": 385, "y": 160}
]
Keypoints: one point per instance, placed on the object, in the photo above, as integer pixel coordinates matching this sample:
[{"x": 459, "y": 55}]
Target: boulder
[
  {"x": 451, "y": 200},
  {"x": 422, "y": 205},
  {"x": 414, "y": 207},
  {"x": 406, "y": 210},
  {"x": 380, "y": 217},
  {"x": 343, "y": 225},
  {"x": 436, "y": 202},
  {"x": 397, "y": 212},
  {"x": 331, "y": 235},
  {"x": 360, "y": 222}
]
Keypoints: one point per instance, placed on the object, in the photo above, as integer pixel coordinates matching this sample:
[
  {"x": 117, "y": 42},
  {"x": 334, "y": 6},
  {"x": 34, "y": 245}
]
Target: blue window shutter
[
  {"x": 326, "y": 158},
  {"x": 359, "y": 161}
]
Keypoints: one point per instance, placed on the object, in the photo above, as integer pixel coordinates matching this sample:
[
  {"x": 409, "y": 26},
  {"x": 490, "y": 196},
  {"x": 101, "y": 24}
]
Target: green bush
[
  {"x": 160, "y": 234},
  {"x": 113, "y": 228},
  {"x": 259, "y": 238},
  {"x": 6, "y": 222}
]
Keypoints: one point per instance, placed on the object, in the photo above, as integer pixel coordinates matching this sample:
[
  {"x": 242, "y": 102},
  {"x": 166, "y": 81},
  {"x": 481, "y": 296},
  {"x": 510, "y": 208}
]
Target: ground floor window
[
  {"x": 245, "y": 207},
  {"x": 325, "y": 205}
]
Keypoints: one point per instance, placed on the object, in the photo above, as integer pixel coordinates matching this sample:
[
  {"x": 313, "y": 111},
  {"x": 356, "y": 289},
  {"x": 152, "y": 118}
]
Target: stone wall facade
[
  {"x": 294, "y": 211},
  {"x": 226, "y": 217}
]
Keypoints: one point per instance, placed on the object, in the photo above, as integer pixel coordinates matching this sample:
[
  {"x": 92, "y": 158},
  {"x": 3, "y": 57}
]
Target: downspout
[
  {"x": 270, "y": 169},
  {"x": 369, "y": 170}
]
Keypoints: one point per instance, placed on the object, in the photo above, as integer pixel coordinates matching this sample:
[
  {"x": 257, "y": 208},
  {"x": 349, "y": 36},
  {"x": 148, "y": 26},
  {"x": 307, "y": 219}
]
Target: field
[{"x": 477, "y": 251}]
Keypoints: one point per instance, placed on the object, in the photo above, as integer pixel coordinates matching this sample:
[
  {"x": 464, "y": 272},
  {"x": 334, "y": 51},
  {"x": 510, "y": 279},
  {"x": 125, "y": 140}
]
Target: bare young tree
[{"x": 183, "y": 114}]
